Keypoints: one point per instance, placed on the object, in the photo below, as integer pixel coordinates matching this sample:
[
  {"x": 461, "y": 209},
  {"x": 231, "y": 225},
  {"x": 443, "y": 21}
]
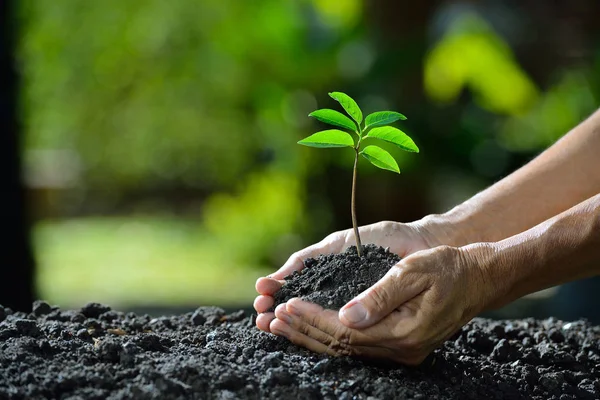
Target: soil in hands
[{"x": 332, "y": 280}]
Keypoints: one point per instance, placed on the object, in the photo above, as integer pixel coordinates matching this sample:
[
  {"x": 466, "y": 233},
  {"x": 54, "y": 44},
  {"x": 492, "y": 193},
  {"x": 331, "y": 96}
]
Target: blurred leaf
[
  {"x": 333, "y": 117},
  {"x": 349, "y": 105},
  {"x": 266, "y": 206},
  {"x": 395, "y": 136},
  {"x": 382, "y": 118},
  {"x": 329, "y": 138},
  {"x": 380, "y": 158},
  {"x": 472, "y": 55}
]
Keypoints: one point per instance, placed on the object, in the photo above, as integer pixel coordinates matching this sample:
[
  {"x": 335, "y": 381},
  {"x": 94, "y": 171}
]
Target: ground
[{"x": 98, "y": 353}]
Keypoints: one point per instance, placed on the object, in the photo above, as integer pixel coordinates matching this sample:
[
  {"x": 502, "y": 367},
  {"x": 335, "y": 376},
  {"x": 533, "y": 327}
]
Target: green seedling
[{"x": 375, "y": 127}]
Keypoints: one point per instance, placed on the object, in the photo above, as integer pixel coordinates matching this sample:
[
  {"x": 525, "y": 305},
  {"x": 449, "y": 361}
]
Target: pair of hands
[{"x": 413, "y": 309}]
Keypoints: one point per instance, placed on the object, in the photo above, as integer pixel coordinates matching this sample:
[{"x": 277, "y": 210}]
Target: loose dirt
[{"x": 98, "y": 353}]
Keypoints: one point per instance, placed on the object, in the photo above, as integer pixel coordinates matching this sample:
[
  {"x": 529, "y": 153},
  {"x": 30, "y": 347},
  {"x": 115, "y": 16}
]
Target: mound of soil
[
  {"x": 98, "y": 353},
  {"x": 333, "y": 280}
]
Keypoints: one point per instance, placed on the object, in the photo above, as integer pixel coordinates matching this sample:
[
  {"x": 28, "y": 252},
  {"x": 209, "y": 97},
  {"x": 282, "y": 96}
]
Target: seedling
[{"x": 375, "y": 127}]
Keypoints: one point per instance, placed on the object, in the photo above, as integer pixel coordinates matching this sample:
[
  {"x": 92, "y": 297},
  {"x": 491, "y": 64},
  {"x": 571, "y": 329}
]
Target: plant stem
[{"x": 353, "y": 204}]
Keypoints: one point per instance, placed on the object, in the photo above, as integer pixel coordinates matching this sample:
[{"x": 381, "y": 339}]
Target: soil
[
  {"x": 98, "y": 353},
  {"x": 333, "y": 280}
]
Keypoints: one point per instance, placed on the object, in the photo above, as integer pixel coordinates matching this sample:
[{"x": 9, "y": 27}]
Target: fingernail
[{"x": 355, "y": 314}]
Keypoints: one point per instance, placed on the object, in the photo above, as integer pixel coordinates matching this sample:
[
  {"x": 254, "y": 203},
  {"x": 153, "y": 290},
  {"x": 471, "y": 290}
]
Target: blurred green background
[{"x": 160, "y": 154}]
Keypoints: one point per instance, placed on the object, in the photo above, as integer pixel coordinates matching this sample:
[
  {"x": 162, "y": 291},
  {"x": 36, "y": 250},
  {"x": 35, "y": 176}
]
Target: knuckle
[
  {"x": 387, "y": 226},
  {"x": 304, "y": 329},
  {"x": 341, "y": 349},
  {"x": 447, "y": 251},
  {"x": 345, "y": 337},
  {"x": 348, "y": 236},
  {"x": 341, "y": 342},
  {"x": 313, "y": 320},
  {"x": 297, "y": 257},
  {"x": 379, "y": 296}
]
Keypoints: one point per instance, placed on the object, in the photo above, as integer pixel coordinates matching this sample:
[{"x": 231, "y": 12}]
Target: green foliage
[
  {"x": 349, "y": 105},
  {"x": 380, "y": 158},
  {"x": 380, "y": 118},
  {"x": 333, "y": 117},
  {"x": 375, "y": 127},
  {"x": 154, "y": 94},
  {"x": 329, "y": 138},
  {"x": 394, "y": 136}
]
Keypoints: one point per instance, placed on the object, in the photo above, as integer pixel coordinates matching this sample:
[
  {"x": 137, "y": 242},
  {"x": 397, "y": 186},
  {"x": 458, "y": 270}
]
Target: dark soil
[
  {"x": 333, "y": 280},
  {"x": 98, "y": 353}
]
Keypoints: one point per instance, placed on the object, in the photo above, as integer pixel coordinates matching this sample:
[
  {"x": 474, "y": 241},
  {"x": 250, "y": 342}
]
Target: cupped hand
[
  {"x": 413, "y": 309},
  {"x": 402, "y": 239}
]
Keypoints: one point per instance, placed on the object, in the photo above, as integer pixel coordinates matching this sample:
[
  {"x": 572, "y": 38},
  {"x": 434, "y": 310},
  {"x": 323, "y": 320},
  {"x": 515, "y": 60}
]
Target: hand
[
  {"x": 402, "y": 239},
  {"x": 413, "y": 309}
]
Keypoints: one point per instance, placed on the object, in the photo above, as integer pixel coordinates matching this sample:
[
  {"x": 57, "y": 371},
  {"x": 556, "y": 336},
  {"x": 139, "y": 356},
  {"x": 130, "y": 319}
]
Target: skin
[{"x": 537, "y": 228}]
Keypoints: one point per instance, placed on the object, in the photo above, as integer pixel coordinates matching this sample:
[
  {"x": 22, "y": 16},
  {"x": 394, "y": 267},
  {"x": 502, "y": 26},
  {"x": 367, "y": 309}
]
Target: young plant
[{"x": 375, "y": 127}]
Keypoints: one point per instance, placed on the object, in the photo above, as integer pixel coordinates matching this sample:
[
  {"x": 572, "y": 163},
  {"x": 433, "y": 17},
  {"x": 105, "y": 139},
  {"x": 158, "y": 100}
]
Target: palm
[{"x": 402, "y": 239}]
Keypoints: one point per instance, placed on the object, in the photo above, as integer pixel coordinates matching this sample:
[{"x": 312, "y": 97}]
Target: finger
[
  {"x": 385, "y": 340},
  {"x": 299, "y": 325},
  {"x": 302, "y": 327},
  {"x": 389, "y": 293},
  {"x": 305, "y": 335},
  {"x": 325, "y": 326},
  {"x": 268, "y": 286},
  {"x": 263, "y": 303},
  {"x": 263, "y": 320},
  {"x": 280, "y": 328},
  {"x": 331, "y": 244}
]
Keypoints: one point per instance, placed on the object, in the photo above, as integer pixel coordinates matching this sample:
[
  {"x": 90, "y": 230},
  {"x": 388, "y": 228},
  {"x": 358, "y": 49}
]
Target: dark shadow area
[{"x": 16, "y": 261}]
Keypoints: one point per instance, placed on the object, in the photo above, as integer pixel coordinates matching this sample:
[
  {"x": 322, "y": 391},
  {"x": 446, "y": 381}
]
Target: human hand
[
  {"x": 413, "y": 309},
  {"x": 402, "y": 239}
]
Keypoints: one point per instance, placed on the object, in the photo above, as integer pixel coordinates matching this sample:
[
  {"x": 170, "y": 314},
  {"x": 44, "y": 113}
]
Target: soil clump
[{"x": 334, "y": 279}]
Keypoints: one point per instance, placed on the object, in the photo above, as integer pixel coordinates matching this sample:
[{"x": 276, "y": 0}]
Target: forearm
[
  {"x": 561, "y": 249},
  {"x": 564, "y": 175}
]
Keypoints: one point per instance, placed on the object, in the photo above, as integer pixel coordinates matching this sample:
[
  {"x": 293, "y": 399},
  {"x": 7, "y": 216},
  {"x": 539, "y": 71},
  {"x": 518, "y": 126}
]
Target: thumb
[{"x": 390, "y": 292}]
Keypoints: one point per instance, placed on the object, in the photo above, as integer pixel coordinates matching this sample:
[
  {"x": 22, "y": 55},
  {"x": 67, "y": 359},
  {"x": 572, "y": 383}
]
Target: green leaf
[
  {"x": 333, "y": 117},
  {"x": 329, "y": 138},
  {"x": 382, "y": 118},
  {"x": 395, "y": 136},
  {"x": 349, "y": 105},
  {"x": 380, "y": 158}
]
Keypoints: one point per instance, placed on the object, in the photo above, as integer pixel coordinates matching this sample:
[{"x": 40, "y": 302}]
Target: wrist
[
  {"x": 494, "y": 273},
  {"x": 452, "y": 228}
]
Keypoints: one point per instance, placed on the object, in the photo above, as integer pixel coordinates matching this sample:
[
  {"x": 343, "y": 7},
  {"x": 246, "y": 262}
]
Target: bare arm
[
  {"x": 562, "y": 249},
  {"x": 564, "y": 175}
]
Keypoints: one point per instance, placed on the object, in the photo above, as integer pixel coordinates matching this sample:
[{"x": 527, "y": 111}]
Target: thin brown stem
[{"x": 353, "y": 205}]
